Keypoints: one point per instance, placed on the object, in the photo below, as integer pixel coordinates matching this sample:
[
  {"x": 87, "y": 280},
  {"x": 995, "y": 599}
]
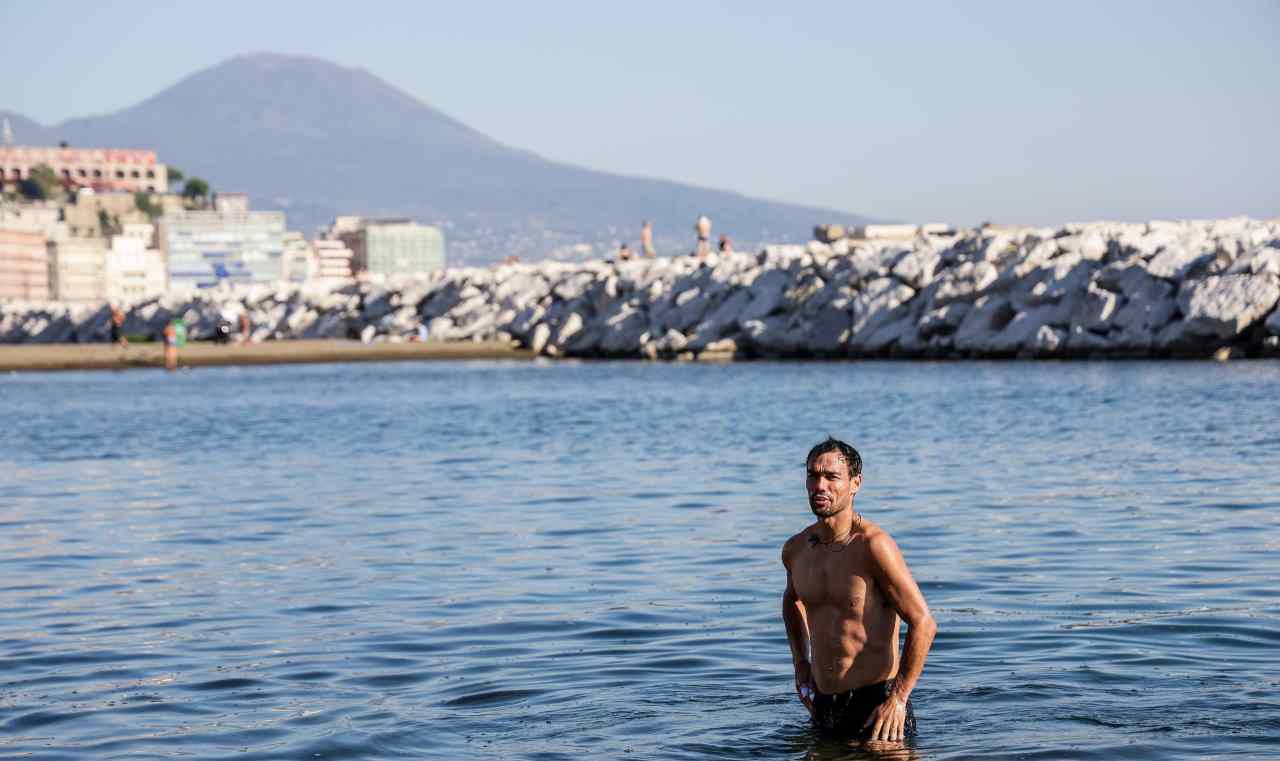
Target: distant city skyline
[{"x": 1003, "y": 111}]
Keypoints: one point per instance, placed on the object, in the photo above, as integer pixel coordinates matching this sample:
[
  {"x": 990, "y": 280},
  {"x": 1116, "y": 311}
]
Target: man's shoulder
[
  {"x": 878, "y": 541},
  {"x": 795, "y": 543}
]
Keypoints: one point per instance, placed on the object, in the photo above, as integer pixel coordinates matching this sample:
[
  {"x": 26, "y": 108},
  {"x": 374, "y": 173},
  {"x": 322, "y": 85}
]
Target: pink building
[
  {"x": 98, "y": 168},
  {"x": 24, "y": 266}
]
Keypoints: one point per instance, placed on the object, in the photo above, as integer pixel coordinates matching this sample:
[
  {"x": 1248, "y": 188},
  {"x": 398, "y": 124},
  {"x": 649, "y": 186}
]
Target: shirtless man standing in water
[{"x": 847, "y": 588}]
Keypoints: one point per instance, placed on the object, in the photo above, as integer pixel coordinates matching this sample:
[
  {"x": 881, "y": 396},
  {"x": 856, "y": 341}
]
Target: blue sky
[{"x": 961, "y": 112}]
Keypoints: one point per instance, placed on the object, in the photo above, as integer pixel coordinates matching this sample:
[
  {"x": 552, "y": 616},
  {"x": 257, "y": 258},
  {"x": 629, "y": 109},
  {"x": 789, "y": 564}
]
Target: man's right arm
[{"x": 798, "y": 639}]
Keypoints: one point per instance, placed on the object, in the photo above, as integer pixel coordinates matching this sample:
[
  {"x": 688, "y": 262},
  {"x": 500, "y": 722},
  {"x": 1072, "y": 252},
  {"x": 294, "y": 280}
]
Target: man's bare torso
[{"x": 853, "y": 631}]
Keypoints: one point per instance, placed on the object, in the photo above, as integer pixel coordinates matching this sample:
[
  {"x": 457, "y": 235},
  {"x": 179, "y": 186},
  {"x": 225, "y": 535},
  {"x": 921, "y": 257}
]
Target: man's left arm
[{"x": 895, "y": 579}]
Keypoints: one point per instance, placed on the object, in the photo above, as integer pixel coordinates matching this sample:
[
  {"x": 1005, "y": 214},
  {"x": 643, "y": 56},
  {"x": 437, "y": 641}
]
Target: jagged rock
[
  {"x": 523, "y": 322},
  {"x": 989, "y": 316},
  {"x": 330, "y": 325},
  {"x": 624, "y": 332},
  {"x": 727, "y": 313},
  {"x": 1264, "y": 259},
  {"x": 725, "y": 347},
  {"x": 1084, "y": 341},
  {"x": 1094, "y": 311},
  {"x": 877, "y": 303},
  {"x": 1149, "y": 305},
  {"x": 896, "y": 331},
  {"x": 829, "y": 329},
  {"x": 538, "y": 341},
  {"x": 688, "y": 309},
  {"x": 672, "y": 342},
  {"x": 943, "y": 320},
  {"x": 966, "y": 282},
  {"x": 766, "y": 295},
  {"x": 1273, "y": 323},
  {"x": 1172, "y": 260},
  {"x": 1048, "y": 341},
  {"x": 1090, "y": 245},
  {"x": 1023, "y": 331},
  {"x": 806, "y": 286},
  {"x": 570, "y": 328},
  {"x": 1223, "y": 306},
  {"x": 771, "y": 336},
  {"x": 1189, "y": 288}
]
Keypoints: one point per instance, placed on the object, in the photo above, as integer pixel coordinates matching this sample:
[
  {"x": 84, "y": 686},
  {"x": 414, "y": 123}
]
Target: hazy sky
[{"x": 959, "y": 112}]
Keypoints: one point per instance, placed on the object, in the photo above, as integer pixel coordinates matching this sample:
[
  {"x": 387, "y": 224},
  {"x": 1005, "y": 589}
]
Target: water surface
[{"x": 546, "y": 561}]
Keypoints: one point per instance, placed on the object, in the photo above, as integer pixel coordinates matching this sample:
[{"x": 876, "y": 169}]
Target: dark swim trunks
[{"x": 845, "y": 713}]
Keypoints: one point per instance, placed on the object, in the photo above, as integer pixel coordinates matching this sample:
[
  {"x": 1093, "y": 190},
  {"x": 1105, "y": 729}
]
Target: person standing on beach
[
  {"x": 848, "y": 587},
  {"x": 646, "y": 240}
]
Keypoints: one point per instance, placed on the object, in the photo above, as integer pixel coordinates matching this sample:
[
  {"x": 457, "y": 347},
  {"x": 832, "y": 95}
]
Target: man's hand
[
  {"x": 805, "y": 686},
  {"x": 888, "y": 720}
]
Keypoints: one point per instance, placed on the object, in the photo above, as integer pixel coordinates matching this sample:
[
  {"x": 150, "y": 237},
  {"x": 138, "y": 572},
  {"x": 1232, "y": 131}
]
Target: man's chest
[{"x": 823, "y": 578}]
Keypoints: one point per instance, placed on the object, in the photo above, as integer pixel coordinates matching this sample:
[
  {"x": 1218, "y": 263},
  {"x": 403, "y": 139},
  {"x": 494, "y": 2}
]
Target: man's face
[{"x": 830, "y": 487}]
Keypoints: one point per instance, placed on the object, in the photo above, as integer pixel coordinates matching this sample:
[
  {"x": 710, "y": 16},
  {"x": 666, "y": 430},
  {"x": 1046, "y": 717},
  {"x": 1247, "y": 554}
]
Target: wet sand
[{"x": 110, "y": 357}]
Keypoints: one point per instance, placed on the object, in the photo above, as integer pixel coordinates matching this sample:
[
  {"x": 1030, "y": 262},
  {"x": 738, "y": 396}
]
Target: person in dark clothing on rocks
[
  {"x": 848, "y": 590},
  {"x": 117, "y": 328}
]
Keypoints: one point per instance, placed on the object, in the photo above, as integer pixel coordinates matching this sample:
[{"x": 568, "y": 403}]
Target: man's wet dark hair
[{"x": 832, "y": 444}]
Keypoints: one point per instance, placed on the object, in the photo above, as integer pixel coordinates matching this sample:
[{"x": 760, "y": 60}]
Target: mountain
[{"x": 316, "y": 139}]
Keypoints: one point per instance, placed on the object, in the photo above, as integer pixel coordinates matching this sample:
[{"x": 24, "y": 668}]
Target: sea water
[{"x": 563, "y": 560}]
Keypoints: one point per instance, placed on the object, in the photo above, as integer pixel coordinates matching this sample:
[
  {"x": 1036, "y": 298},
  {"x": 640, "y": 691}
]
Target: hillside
[{"x": 316, "y": 139}]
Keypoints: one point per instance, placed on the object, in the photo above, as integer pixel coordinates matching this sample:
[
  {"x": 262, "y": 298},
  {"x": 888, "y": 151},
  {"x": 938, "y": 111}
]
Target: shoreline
[{"x": 101, "y": 356}]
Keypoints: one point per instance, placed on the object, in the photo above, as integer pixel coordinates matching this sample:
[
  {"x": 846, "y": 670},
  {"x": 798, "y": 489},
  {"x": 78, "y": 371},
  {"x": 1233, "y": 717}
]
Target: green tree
[
  {"x": 174, "y": 175},
  {"x": 42, "y": 184},
  {"x": 146, "y": 205},
  {"x": 196, "y": 190}
]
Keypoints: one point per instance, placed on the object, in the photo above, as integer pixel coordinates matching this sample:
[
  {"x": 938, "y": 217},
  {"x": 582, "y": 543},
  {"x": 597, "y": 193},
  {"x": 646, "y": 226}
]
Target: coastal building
[
  {"x": 134, "y": 271},
  {"x": 96, "y": 214},
  {"x": 40, "y": 216},
  {"x": 342, "y": 224},
  {"x": 231, "y": 202},
  {"x": 77, "y": 269},
  {"x": 144, "y": 231},
  {"x": 333, "y": 263},
  {"x": 882, "y": 232},
  {"x": 24, "y": 265},
  {"x": 123, "y": 169},
  {"x": 394, "y": 247},
  {"x": 205, "y": 248},
  {"x": 298, "y": 264}
]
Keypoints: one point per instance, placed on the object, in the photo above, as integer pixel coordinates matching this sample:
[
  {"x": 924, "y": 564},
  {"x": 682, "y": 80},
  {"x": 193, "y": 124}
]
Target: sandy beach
[{"x": 110, "y": 357}]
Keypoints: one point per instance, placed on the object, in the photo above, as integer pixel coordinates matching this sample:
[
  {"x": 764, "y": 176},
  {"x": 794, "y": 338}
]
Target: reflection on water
[{"x": 549, "y": 561}]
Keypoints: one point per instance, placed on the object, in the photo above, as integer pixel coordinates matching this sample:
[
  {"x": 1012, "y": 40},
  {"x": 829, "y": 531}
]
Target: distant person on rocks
[
  {"x": 624, "y": 253},
  {"x": 646, "y": 240},
  {"x": 848, "y": 587},
  {"x": 726, "y": 245},
  {"x": 703, "y": 228},
  {"x": 246, "y": 327},
  {"x": 117, "y": 328}
]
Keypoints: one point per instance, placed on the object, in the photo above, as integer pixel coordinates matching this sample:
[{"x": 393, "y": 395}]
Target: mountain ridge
[{"x": 316, "y": 139}]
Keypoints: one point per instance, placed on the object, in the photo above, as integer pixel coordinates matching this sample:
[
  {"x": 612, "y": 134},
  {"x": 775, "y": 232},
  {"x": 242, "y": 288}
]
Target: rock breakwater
[{"x": 1161, "y": 289}]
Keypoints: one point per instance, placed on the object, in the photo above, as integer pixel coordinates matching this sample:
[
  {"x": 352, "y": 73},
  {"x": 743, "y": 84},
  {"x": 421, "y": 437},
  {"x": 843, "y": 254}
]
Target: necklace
[{"x": 841, "y": 543}]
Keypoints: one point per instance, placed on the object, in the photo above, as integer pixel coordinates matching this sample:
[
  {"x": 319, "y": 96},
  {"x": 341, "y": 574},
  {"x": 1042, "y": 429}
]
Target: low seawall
[{"x": 1181, "y": 289}]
